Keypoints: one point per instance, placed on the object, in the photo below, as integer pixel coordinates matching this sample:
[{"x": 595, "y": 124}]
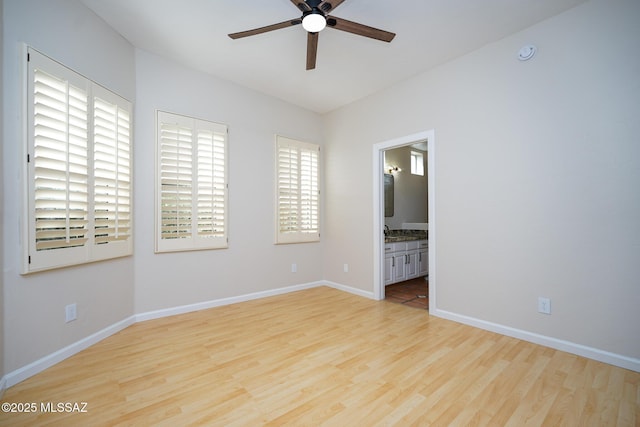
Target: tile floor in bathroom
[{"x": 412, "y": 293}]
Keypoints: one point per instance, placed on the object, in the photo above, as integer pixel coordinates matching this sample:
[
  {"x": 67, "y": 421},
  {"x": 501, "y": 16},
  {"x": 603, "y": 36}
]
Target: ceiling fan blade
[
  {"x": 285, "y": 24},
  {"x": 301, "y": 5},
  {"x": 359, "y": 29},
  {"x": 328, "y": 5},
  {"x": 312, "y": 50}
]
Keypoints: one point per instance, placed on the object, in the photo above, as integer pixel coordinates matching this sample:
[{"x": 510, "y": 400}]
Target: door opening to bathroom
[{"x": 404, "y": 216}]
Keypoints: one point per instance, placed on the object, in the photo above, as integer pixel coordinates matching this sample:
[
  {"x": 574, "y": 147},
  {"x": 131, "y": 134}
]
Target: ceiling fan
[{"x": 315, "y": 17}]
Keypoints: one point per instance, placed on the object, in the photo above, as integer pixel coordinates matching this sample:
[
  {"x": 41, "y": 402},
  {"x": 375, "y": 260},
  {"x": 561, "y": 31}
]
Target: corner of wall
[{"x": 3, "y": 381}]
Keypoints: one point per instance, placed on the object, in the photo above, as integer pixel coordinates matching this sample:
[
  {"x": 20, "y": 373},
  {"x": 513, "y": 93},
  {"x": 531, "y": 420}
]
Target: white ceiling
[{"x": 349, "y": 67}]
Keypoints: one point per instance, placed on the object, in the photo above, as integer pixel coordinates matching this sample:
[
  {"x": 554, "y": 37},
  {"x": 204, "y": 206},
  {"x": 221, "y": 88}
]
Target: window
[
  {"x": 78, "y": 174},
  {"x": 191, "y": 183},
  {"x": 417, "y": 163},
  {"x": 298, "y": 191}
]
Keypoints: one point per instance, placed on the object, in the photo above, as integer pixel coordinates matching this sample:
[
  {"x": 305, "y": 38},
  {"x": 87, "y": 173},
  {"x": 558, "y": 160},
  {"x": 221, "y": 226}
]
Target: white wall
[
  {"x": 34, "y": 304},
  {"x": 537, "y": 169},
  {"x": 252, "y": 263}
]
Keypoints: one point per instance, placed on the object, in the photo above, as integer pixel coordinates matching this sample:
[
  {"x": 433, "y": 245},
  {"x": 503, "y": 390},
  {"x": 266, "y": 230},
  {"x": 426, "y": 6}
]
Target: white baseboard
[
  {"x": 40, "y": 365},
  {"x": 3, "y": 385},
  {"x": 558, "y": 344},
  {"x": 156, "y": 314},
  {"x": 349, "y": 289}
]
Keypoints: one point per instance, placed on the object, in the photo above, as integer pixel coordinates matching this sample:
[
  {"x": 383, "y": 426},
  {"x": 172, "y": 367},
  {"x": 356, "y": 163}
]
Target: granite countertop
[
  {"x": 393, "y": 239},
  {"x": 405, "y": 235}
]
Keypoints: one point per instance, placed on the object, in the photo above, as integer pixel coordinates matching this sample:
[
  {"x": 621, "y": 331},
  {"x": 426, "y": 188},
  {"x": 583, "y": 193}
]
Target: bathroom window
[{"x": 417, "y": 163}]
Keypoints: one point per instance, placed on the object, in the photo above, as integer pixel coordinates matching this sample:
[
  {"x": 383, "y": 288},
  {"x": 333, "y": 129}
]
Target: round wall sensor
[{"x": 526, "y": 52}]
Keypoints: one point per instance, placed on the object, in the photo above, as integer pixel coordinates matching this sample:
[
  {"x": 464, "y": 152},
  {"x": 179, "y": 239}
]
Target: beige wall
[
  {"x": 536, "y": 178},
  {"x": 410, "y": 198},
  {"x": 537, "y": 172},
  {"x": 252, "y": 263},
  {"x": 34, "y": 304},
  {"x": 110, "y": 292}
]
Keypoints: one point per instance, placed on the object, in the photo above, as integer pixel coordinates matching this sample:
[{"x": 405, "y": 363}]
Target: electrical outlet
[
  {"x": 294, "y": 268},
  {"x": 70, "y": 313},
  {"x": 345, "y": 268},
  {"x": 544, "y": 305}
]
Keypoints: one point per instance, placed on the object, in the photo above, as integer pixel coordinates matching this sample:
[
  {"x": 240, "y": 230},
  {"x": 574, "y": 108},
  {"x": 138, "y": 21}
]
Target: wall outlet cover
[
  {"x": 70, "y": 313},
  {"x": 544, "y": 305}
]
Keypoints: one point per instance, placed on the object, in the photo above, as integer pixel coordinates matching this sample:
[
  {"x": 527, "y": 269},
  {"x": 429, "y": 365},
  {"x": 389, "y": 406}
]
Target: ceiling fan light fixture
[{"x": 314, "y": 22}]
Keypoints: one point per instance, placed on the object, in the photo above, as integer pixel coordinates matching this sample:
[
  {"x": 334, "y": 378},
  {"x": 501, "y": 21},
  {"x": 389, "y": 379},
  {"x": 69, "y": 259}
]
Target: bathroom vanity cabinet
[{"x": 405, "y": 260}]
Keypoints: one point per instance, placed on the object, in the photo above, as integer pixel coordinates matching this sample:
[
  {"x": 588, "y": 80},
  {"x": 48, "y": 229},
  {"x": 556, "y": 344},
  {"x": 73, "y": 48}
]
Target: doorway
[{"x": 378, "y": 208}]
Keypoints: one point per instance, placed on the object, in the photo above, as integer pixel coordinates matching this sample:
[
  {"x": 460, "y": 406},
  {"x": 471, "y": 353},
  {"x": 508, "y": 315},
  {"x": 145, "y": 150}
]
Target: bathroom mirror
[{"x": 388, "y": 195}]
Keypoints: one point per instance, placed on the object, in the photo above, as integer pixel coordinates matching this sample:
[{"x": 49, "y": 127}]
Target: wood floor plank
[{"x": 325, "y": 357}]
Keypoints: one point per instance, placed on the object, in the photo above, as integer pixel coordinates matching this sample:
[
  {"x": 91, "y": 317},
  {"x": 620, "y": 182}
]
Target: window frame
[
  {"x": 298, "y": 234},
  {"x": 195, "y": 241},
  {"x": 43, "y": 256},
  {"x": 417, "y": 163}
]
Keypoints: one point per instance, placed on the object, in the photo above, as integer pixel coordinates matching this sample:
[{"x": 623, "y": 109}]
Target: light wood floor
[{"x": 325, "y": 357}]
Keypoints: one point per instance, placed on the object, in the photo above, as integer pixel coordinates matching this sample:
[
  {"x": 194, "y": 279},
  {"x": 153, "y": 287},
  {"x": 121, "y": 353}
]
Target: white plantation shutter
[
  {"x": 309, "y": 191},
  {"x": 112, "y": 169},
  {"x": 60, "y": 179},
  {"x": 287, "y": 202},
  {"x": 298, "y": 191},
  {"x": 176, "y": 177},
  {"x": 78, "y": 169},
  {"x": 211, "y": 176},
  {"x": 191, "y": 204}
]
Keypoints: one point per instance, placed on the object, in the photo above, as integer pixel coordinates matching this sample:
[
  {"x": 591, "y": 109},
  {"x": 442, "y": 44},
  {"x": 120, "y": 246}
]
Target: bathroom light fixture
[
  {"x": 314, "y": 22},
  {"x": 393, "y": 169}
]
